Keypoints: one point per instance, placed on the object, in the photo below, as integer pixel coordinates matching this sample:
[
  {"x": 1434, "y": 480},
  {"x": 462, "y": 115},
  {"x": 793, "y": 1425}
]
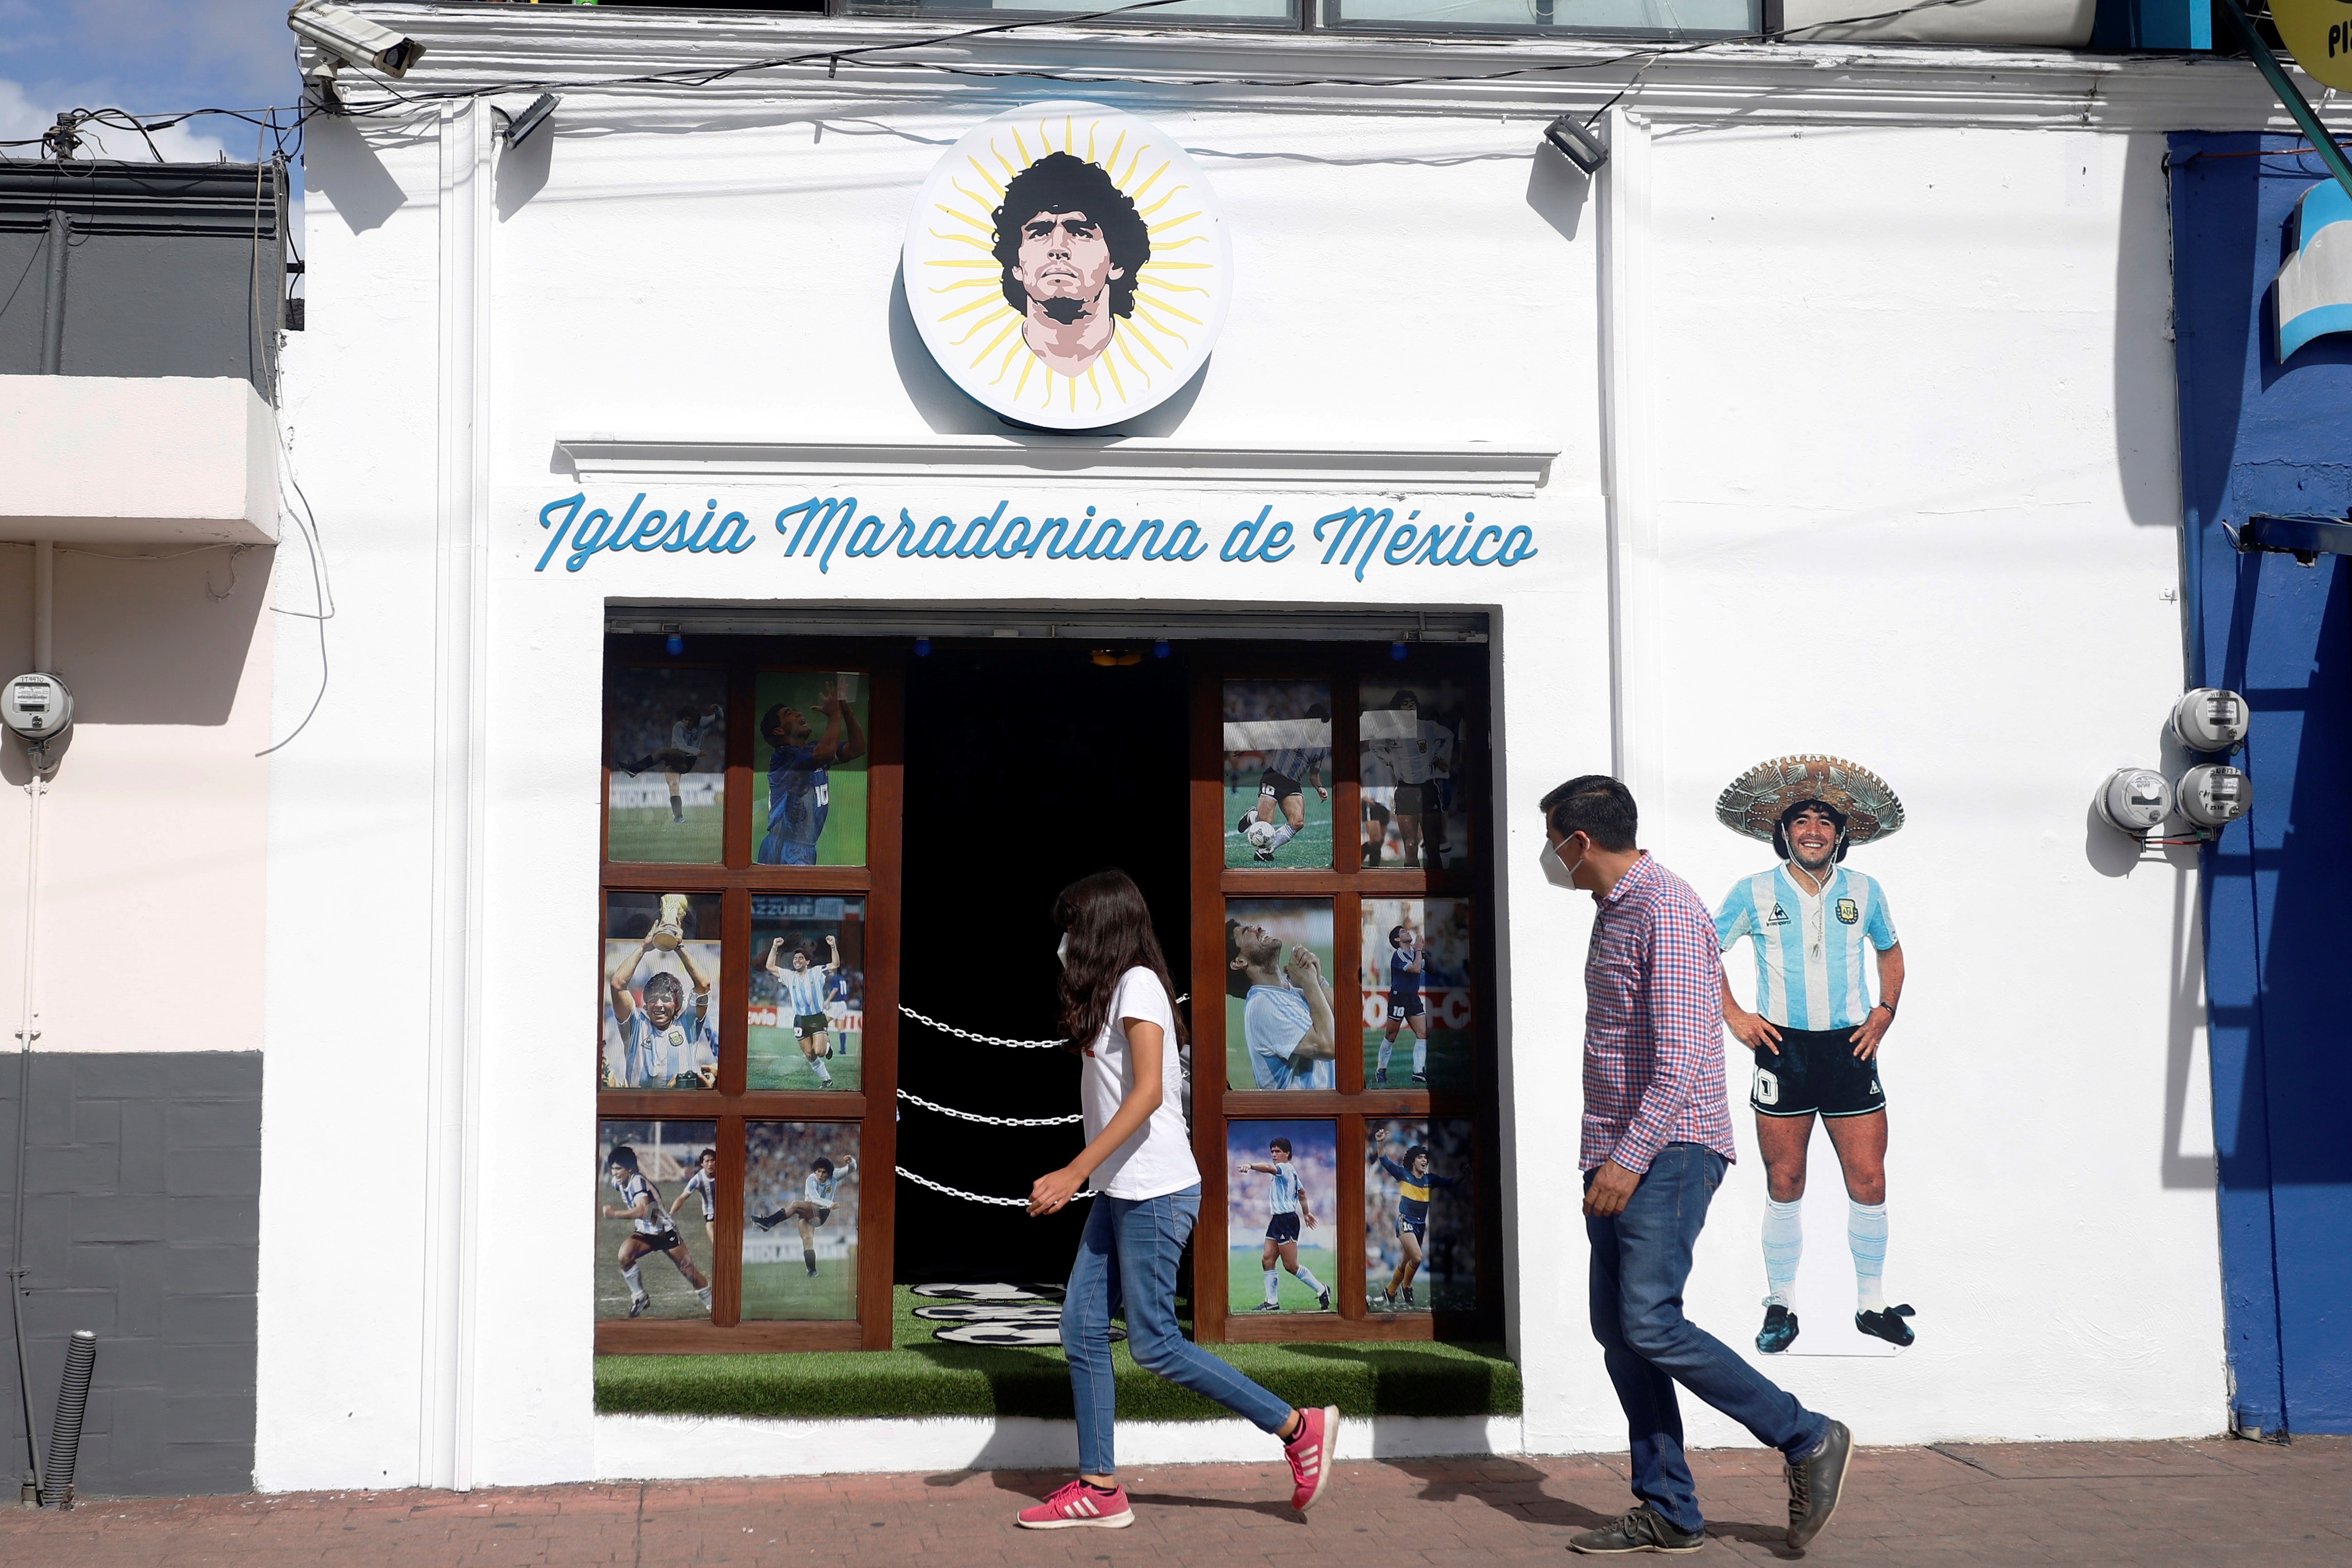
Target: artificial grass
[{"x": 921, "y": 1376}]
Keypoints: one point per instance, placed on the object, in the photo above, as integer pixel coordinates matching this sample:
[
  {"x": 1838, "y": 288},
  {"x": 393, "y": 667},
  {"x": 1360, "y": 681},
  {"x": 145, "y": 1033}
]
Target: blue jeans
[
  {"x": 1128, "y": 1253},
  {"x": 1640, "y": 1259}
]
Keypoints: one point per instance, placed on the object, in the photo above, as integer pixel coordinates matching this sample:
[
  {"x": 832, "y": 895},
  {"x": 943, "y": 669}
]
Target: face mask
[
  {"x": 1557, "y": 874},
  {"x": 1063, "y": 951}
]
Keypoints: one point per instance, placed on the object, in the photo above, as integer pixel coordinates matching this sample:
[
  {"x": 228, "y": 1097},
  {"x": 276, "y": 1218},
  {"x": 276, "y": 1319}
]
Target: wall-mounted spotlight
[
  {"x": 2211, "y": 719},
  {"x": 922, "y": 647},
  {"x": 523, "y": 122},
  {"x": 1159, "y": 649},
  {"x": 1397, "y": 651},
  {"x": 352, "y": 39},
  {"x": 2215, "y": 794},
  {"x": 1577, "y": 142},
  {"x": 2135, "y": 801}
]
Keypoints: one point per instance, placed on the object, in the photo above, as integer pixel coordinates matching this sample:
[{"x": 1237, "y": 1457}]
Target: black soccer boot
[
  {"x": 1778, "y": 1331},
  {"x": 1814, "y": 1483},
  {"x": 767, "y": 1221},
  {"x": 1643, "y": 1529},
  {"x": 1326, "y": 1298},
  {"x": 1887, "y": 1324},
  {"x": 1408, "y": 1297}
]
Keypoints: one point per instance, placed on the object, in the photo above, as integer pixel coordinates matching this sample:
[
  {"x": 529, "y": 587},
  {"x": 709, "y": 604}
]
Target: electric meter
[
  {"x": 2215, "y": 794},
  {"x": 37, "y": 707},
  {"x": 2135, "y": 800},
  {"x": 2209, "y": 720}
]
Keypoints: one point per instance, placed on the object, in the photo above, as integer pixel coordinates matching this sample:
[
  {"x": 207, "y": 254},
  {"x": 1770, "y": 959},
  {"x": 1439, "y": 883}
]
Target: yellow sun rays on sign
[{"x": 956, "y": 289}]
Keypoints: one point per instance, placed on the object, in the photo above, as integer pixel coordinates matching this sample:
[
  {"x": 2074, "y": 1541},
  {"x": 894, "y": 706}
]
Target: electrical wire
[{"x": 322, "y": 588}]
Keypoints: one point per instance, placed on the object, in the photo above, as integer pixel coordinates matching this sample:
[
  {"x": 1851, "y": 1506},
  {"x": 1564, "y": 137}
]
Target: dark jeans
[{"x": 1640, "y": 1259}]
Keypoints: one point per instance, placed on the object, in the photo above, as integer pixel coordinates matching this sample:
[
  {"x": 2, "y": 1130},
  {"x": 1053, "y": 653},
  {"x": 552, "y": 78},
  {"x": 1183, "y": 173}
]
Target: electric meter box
[
  {"x": 36, "y": 706},
  {"x": 2211, "y": 719}
]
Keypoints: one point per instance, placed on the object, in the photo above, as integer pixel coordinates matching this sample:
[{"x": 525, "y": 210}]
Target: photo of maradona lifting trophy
[{"x": 660, "y": 1023}]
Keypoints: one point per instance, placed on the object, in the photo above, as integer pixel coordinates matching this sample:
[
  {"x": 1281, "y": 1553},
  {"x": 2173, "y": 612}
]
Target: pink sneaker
[
  {"x": 1309, "y": 1454},
  {"x": 1080, "y": 1504}
]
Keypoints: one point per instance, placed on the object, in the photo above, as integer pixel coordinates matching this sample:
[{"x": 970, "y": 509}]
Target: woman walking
[{"x": 1117, "y": 1013}]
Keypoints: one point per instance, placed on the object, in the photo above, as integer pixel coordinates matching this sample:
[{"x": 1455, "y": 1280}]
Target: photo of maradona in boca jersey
[
  {"x": 1420, "y": 1254},
  {"x": 659, "y": 1023},
  {"x": 808, "y": 766},
  {"x": 1828, "y": 980}
]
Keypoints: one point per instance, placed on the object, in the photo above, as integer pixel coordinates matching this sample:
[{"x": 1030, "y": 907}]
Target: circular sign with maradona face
[
  {"x": 1068, "y": 265},
  {"x": 2318, "y": 32}
]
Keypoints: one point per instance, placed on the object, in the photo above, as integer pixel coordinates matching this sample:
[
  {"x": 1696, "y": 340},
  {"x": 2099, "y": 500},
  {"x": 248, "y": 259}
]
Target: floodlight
[
  {"x": 522, "y": 123},
  {"x": 353, "y": 38},
  {"x": 1577, "y": 142}
]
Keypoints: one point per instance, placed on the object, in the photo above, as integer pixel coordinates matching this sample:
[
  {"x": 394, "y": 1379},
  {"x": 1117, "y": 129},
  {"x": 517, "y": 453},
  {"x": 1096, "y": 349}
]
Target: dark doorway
[{"x": 1026, "y": 767}]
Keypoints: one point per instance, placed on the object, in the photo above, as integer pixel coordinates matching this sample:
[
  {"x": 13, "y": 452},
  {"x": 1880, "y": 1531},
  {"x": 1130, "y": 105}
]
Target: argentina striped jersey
[
  {"x": 1285, "y": 1188},
  {"x": 1811, "y": 969},
  {"x": 803, "y": 991}
]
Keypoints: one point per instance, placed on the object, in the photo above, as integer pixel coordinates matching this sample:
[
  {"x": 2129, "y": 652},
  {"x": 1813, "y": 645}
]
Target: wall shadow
[{"x": 338, "y": 163}]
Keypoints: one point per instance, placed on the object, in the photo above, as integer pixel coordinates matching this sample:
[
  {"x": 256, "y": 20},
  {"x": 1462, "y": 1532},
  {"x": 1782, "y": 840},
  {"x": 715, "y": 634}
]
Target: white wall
[{"x": 1928, "y": 468}]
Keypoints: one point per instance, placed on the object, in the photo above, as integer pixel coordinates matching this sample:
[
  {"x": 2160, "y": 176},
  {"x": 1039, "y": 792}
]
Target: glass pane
[
  {"x": 1279, "y": 773},
  {"x": 1416, "y": 993},
  {"x": 650, "y": 1263},
  {"x": 1419, "y": 1255},
  {"x": 808, "y": 993},
  {"x": 809, "y": 799},
  {"x": 800, "y": 1219},
  {"x": 1414, "y": 813},
  {"x": 1276, "y": 12},
  {"x": 1668, "y": 17},
  {"x": 666, "y": 728},
  {"x": 660, "y": 1012},
  {"x": 1281, "y": 1019},
  {"x": 1278, "y": 1219}
]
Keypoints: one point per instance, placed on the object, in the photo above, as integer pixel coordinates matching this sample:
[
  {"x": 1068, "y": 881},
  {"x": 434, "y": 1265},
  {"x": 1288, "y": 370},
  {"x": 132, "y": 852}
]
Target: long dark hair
[{"x": 1110, "y": 933}]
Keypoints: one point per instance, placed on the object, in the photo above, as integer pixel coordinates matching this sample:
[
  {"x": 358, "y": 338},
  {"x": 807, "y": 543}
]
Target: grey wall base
[{"x": 141, "y": 1222}]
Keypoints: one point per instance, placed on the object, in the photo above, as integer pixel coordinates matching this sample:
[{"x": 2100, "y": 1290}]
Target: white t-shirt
[{"x": 1158, "y": 1160}]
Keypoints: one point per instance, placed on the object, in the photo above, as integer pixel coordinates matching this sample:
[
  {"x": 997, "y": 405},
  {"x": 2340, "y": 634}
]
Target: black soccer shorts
[
  {"x": 1282, "y": 1227},
  {"x": 1401, "y": 1007},
  {"x": 1281, "y": 786},
  {"x": 1815, "y": 1071}
]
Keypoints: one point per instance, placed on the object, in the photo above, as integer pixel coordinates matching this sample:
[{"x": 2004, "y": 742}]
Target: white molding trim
[
  {"x": 1158, "y": 71},
  {"x": 1473, "y": 468},
  {"x": 451, "y": 1158},
  {"x": 1627, "y": 450}
]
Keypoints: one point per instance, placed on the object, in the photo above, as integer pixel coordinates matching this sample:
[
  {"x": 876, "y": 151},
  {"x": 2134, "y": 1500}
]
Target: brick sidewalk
[{"x": 2142, "y": 1504}]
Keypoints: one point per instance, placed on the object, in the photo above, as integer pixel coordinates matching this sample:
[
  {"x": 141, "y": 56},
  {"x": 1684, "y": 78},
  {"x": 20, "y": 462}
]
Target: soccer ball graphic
[{"x": 1260, "y": 835}]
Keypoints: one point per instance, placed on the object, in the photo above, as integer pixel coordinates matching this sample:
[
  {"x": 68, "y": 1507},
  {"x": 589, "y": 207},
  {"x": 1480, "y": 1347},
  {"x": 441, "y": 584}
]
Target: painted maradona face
[{"x": 1065, "y": 265}]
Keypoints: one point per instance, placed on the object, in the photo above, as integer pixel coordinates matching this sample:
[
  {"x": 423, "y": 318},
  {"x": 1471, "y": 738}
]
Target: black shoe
[
  {"x": 1380, "y": 1081},
  {"x": 767, "y": 1221},
  {"x": 1372, "y": 854},
  {"x": 1420, "y": 1080},
  {"x": 638, "y": 1304},
  {"x": 1814, "y": 1483},
  {"x": 1408, "y": 1297},
  {"x": 1266, "y": 1307},
  {"x": 1779, "y": 1331},
  {"x": 1327, "y": 1298},
  {"x": 1887, "y": 1324},
  {"x": 1640, "y": 1531}
]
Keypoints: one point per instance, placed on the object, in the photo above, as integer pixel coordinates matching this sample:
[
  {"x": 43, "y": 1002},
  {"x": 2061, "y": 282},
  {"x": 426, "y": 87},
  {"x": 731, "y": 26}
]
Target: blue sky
[{"x": 151, "y": 57}]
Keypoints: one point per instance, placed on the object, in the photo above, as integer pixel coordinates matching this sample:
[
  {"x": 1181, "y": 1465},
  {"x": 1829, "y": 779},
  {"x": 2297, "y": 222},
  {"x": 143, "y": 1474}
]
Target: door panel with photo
[
  {"x": 800, "y": 1220},
  {"x": 1280, "y": 1195},
  {"x": 1282, "y": 1017},
  {"x": 1278, "y": 772},
  {"x": 666, "y": 781},
  {"x": 807, "y": 1026},
  {"x": 1419, "y": 1232},
  {"x": 657, "y": 1210},
  {"x": 1418, "y": 1028},
  {"x": 809, "y": 757},
  {"x": 1410, "y": 751},
  {"x": 660, "y": 985}
]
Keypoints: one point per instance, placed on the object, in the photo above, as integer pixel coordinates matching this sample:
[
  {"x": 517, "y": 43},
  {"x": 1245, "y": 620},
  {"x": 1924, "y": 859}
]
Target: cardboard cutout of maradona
[{"x": 1067, "y": 266}]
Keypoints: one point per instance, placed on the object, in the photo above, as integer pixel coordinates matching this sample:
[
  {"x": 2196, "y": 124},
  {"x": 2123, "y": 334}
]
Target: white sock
[
  {"x": 1273, "y": 1285},
  {"x": 1387, "y": 1046},
  {"x": 703, "y": 1296},
  {"x": 1282, "y": 834},
  {"x": 1307, "y": 1278},
  {"x": 1865, "y": 1233},
  {"x": 636, "y": 1281},
  {"x": 1419, "y": 1056},
  {"x": 1784, "y": 1243},
  {"x": 822, "y": 1076}
]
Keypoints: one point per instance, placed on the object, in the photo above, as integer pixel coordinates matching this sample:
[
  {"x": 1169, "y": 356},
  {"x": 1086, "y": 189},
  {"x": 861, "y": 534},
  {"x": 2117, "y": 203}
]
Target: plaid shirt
[{"x": 1653, "y": 1024}]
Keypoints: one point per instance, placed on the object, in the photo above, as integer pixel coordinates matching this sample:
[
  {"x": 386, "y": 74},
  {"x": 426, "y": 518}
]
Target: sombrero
[{"x": 1754, "y": 803}]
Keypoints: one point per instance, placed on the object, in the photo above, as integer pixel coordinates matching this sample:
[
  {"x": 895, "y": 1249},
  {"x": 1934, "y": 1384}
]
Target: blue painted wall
[{"x": 2259, "y": 436}]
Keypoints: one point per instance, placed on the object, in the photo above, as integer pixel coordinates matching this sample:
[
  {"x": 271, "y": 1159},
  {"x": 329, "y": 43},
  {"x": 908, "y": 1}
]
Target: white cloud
[{"x": 26, "y": 112}]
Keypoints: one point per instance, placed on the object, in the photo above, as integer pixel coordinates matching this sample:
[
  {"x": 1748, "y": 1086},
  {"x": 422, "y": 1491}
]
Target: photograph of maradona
[{"x": 1067, "y": 265}]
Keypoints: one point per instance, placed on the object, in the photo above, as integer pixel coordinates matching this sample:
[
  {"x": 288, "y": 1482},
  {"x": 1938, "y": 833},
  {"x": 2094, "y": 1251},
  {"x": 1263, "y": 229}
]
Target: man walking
[{"x": 1656, "y": 1139}]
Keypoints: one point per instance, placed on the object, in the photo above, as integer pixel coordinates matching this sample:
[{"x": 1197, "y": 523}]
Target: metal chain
[
  {"x": 994, "y": 1039},
  {"x": 975, "y": 1197},
  {"x": 991, "y": 1120}
]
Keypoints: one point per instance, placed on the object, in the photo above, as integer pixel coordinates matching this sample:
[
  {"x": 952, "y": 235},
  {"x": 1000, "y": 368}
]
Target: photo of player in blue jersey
[
  {"x": 1277, "y": 747},
  {"x": 1416, "y": 991},
  {"x": 1279, "y": 1167},
  {"x": 1419, "y": 1225},
  {"x": 1281, "y": 1021},
  {"x": 812, "y": 747},
  {"x": 1821, "y": 931}
]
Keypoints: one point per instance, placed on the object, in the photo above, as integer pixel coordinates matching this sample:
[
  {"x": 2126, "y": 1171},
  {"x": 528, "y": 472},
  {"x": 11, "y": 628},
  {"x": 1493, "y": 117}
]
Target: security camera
[
  {"x": 2211, "y": 719},
  {"x": 38, "y": 708},
  {"x": 2135, "y": 801},
  {"x": 2215, "y": 794},
  {"x": 352, "y": 39}
]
